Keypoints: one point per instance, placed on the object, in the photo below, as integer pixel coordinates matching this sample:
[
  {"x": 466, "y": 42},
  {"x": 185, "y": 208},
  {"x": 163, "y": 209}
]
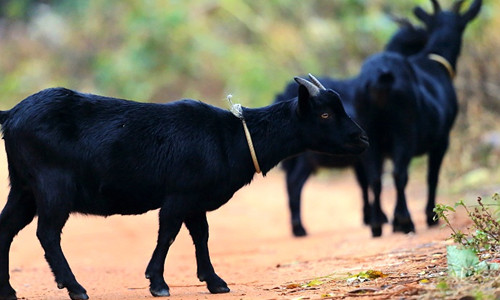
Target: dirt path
[{"x": 251, "y": 248}]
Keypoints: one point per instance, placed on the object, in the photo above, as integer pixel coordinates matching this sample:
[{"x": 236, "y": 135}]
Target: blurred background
[{"x": 160, "y": 51}]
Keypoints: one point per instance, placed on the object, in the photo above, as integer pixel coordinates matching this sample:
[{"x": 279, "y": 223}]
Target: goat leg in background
[
  {"x": 436, "y": 156},
  {"x": 363, "y": 183},
  {"x": 298, "y": 171},
  {"x": 373, "y": 163}
]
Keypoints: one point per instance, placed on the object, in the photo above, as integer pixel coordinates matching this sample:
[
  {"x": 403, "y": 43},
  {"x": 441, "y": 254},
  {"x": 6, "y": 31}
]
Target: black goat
[
  {"x": 408, "y": 40},
  {"x": 408, "y": 107},
  {"x": 70, "y": 152}
]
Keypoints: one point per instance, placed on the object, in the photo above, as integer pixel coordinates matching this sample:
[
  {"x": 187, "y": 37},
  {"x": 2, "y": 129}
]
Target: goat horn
[
  {"x": 316, "y": 82},
  {"x": 456, "y": 6},
  {"x": 436, "y": 6},
  {"x": 401, "y": 21},
  {"x": 311, "y": 88}
]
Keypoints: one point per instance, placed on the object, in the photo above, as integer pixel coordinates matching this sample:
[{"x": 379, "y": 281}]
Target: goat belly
[
  {"x": 210, "y": 204},
  {"x": 108, "y": 200}
]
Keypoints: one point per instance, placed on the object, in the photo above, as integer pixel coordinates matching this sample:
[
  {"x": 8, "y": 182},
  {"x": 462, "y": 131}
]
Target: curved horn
[
  {"x": 401, "y": 21},
  {"x": 311, "y": 88},
  {"x": 316, "y": 82},
  {"x": 456, "y": 6},
  {"x": 436, "y": 6}
]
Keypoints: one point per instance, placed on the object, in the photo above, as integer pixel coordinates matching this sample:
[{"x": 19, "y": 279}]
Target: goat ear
[
  {"x": 422, "y": 15},
  {"x": 472, "y": 12},
  {"x": 306, "y": 91},
  {"x": 303, "y": 100},
  {"x": 401, "y": 21}
]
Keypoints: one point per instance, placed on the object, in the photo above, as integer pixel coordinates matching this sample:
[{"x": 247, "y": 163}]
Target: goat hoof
[
  {"x": 377, "y": 231},
  {"x": 7, "y": 292},
  {"x": 219, "y": 289},
  {"x": 404, "y": 227},
  {"x": 431, "y": 221},
  {"x": 366, "y": 219},
  {"x": 78, "y": 296},
  {"x": 159, "y": 292},
  {"x": 377, "y": 217},
  {"x": 298, "y": 231},
  {"x": 384, "y": 218},
  {"x": 215, "y": 284},
  {"x": 8, "y": 297}
]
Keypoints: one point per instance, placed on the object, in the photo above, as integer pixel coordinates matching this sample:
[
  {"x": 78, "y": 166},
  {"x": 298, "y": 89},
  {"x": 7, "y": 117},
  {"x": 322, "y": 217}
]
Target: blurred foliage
[{"x": 163, "y": 50}]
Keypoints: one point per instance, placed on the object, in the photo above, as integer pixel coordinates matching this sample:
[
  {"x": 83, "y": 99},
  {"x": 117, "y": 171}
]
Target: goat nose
[
  {"x": 364, "y": 138},
  {"x": 360, "y": 137}
]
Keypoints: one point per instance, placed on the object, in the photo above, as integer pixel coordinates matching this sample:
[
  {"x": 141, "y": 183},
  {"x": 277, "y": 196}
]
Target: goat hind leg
[
  {"x": 53, "y": 199},
  {"x": 17, "y": 213}
]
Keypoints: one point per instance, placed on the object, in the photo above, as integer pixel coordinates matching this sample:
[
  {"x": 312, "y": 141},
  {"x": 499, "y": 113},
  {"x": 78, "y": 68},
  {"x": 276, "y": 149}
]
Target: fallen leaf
[
  {"x": 314, "y": 282},
  {"x": 363, "y": 290}
]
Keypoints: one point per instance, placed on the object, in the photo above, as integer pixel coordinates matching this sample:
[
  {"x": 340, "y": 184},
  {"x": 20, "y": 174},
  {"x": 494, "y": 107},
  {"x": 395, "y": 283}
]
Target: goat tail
[{"x": 4, "y": 114}]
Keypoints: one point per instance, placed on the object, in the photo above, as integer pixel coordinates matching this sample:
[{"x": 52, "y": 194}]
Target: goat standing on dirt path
[
  {"x": 408, "y": 107},
  {"x": 408, "y": 40},
  {"x": 70, "y": 152}
]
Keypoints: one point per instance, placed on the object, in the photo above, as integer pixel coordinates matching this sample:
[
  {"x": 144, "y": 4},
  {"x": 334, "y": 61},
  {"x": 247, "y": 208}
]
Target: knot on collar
[{"x": 237, "y": 111}]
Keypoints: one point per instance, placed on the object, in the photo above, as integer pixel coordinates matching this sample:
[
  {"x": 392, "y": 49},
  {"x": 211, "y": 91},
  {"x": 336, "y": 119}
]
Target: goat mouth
[{"x": 358, "y": 146}]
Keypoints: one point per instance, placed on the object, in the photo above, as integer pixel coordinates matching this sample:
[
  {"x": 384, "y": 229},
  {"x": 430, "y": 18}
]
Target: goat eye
[{"x": 325, "y": 115}]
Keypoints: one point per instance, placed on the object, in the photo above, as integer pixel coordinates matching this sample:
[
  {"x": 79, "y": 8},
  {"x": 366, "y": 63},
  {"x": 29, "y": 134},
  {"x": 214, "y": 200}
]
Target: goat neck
[
  {"x": 267, "y": 124},
  {"x": 446, "y": 28}
]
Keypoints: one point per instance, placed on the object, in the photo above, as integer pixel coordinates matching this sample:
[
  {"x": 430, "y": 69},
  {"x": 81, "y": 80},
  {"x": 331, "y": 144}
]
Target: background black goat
[
  {"x": 408, "y": 107},
  {"x": 408, "y": 40},
  {"x": 70, "y": 152}
]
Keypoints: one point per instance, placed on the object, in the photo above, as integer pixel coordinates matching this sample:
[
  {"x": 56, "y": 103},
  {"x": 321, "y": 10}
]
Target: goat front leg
[
  {"x": 170, "y": 223},
  {"x": 197, "y": 225},
  {"x": 402, "y": 219},
  {"x": 363, "y": 184},
  {"x": 373, "y": 164},
  {"x": 434, "y": 165}
]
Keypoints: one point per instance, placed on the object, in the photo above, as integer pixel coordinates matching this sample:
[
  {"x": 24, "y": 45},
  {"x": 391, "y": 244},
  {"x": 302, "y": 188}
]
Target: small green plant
[
  {"x": 484, "y": 235},
  {"x": 476, "y": 257}
]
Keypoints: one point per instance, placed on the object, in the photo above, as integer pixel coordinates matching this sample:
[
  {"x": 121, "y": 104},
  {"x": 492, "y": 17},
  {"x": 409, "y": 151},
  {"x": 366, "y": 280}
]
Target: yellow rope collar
[
  {"x": 250, "y": 146},
  {"x": 444, "y": 62},
  {"x": 238, "y": 112}
]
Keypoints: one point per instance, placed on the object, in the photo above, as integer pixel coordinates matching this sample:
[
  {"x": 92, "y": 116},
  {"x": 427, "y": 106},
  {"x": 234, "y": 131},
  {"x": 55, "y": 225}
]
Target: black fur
[
  {"x": 408, "y": 40},
  {"x": 408, "y": 107},
  {"x": 70, "y": 152}
]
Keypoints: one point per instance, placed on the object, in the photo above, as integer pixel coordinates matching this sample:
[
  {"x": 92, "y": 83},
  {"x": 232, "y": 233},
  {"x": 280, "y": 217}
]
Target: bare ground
[{"x": 251, "y": 248}]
